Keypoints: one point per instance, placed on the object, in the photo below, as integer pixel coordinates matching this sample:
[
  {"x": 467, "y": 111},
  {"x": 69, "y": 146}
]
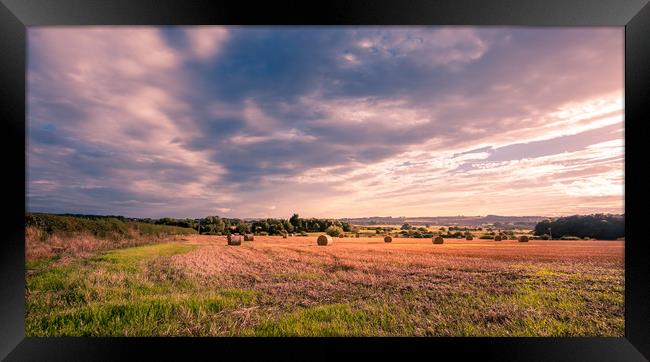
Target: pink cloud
[{"x": 206, "y": 41}]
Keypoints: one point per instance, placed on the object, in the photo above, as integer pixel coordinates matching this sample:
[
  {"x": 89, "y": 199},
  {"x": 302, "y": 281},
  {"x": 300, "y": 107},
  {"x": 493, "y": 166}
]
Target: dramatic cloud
[{"x": 325, "y": 121}]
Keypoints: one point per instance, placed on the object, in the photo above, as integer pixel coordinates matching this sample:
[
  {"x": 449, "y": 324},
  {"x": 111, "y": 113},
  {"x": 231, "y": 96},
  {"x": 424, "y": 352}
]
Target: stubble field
[{"x": 199, "y": 286}]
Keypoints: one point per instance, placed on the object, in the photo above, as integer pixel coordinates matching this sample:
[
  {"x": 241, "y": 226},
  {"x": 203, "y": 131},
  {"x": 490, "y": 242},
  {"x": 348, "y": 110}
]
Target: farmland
[{"x": 196, "y": 285}]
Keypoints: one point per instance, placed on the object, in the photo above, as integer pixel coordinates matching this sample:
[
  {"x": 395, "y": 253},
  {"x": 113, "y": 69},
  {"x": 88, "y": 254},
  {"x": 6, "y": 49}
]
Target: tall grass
[{"x": 48, "y": 235}]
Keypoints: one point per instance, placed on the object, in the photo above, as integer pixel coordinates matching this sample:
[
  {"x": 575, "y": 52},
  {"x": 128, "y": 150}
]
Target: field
[{"x": 199, "y": 286}]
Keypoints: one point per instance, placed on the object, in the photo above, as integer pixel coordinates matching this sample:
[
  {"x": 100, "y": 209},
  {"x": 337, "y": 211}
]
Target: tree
[
  {"x": 242, "y": 228},
  {"x": 334, "y": 230},
  {"x": 219, "y": 225},
  {"x": 296, "y": 222},
  {"x": 287, "y": 226},
  {"x": 406, "y": 226},
  {"x": 597, "y": 226}
]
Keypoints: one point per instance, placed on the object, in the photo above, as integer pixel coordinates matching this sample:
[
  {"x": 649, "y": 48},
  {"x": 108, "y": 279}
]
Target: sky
[{"x": 325, "y": 121}]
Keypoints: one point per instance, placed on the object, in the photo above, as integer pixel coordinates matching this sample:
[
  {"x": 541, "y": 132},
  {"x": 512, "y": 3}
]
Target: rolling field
[{"x": 272, "y": 286}]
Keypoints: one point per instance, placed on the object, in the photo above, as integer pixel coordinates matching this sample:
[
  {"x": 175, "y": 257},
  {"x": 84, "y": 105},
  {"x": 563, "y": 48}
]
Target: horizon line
[{"x": 334, "y": 218}]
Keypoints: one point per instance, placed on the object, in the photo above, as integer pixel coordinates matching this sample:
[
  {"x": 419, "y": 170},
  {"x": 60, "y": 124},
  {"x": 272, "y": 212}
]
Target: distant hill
[{"x": 515, "y": 221}]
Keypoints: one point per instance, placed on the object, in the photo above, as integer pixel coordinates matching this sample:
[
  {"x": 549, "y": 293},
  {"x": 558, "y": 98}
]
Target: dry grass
[
  {"x": 39, "y": 245},
  {"x": 296, "y": 273},
  {"x": 364, "y": 286}
]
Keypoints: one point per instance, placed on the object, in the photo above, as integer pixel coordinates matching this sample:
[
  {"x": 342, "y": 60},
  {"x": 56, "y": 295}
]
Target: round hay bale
[
  {"x": 387, "y": 239},
  {"x": 469, "y": 237},
  {"x": 248, "y": 237},
  {"x": 497, "y": 238},
  {"x": 324, "y": 240},
  {"x": 234, "y": 239},
  {"x": 523, "y": 239},
  {"x": 438, "y": 240}
]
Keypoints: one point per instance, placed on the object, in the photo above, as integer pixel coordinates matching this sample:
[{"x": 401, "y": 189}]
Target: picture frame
[{"x": 17, "y": 15}]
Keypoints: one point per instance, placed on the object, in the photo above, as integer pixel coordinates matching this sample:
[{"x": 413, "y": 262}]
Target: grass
[
  {"x": 328, "y": 320},
  {"x": 353, "y": 288},
  {"x": 48, "y": 235},
  {"x": 114, "y": 294}
]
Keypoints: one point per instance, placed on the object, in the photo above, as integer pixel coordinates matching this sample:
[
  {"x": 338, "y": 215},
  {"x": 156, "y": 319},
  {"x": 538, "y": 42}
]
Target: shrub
[
  {"x": 334, "y": 230},
  {"x": 103, "y": 228},
  {"x": 486, "y": 236}
]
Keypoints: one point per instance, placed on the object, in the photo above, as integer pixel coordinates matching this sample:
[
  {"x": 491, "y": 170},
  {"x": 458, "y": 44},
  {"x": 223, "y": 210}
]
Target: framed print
[{"x": 345, "y": 178}]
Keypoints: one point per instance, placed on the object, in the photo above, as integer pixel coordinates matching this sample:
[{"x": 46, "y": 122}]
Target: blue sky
[{"x": 325, "y": 121}]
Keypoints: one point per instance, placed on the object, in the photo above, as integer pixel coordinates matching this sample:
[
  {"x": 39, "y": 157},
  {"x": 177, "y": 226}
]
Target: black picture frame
[{"x": 16, "y": 15}]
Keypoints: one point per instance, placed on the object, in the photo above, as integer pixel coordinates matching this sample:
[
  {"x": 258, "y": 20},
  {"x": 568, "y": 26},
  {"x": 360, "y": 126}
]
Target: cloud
[
  {"x": 427, "y": 46},
  {"x": 186, "y": 121},
  {"x": 206, "y": 41}
]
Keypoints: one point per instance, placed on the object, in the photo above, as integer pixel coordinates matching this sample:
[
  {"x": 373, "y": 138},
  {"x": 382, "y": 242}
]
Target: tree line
[
  {"x": 596, "y": 226},
  {"x": 215, "y": 225},
  {"x": 99, "y": 226}
]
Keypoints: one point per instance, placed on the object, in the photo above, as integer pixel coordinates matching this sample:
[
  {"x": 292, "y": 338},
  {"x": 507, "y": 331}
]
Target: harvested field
[{"x": 357, "y": 286}]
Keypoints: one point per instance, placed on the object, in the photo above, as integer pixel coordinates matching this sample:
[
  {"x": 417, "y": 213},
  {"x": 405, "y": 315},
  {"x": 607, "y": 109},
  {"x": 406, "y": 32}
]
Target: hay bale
[
  {"x": 438, "y": 240},
  {"x": 497, "y": 238},
  {"x": 387, "y": 239},
  {"x": 248, "y": 237},
  {"x": 234, "y": 239},
  {"x": 523, "y": 239},
  {"x": 469, "y": 237},
  {"x": 324, "y": 240}
]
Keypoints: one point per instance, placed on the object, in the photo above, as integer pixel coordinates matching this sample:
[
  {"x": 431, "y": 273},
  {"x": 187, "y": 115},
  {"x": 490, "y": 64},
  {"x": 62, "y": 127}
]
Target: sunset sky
[{"x": 325, "y": 121}]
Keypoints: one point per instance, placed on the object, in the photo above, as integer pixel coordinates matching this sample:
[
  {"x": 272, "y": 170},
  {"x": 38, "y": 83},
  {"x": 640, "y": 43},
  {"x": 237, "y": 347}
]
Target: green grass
[
  {"x": 330, "y": 320},
  {"x": 131, "y": 257},
  {"x": 113, "y": 294},
  {"x": 137, "y": 292},
  {"x": 535, "y": 306},
  {"x": 539, "y": 305}
]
